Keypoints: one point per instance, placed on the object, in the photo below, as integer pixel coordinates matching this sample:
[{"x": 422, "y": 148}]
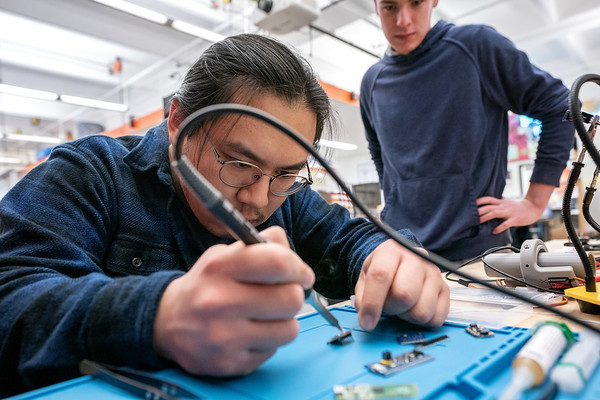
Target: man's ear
[{"x": 176, "y": 117}]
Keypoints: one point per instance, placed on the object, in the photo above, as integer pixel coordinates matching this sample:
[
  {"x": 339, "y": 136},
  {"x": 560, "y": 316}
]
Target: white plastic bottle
[
  {"x": 532, "y": 363},
  {"x": 575, "y": 367}
]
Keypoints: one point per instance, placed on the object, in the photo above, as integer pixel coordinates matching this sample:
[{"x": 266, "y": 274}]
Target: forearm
[
  {"x": 55, "y": 321},
  {"x": 538, "y": 194}
]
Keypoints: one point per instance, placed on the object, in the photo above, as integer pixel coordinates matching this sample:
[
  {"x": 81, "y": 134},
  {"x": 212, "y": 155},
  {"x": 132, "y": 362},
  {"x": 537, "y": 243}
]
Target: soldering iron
[{"x": 237, "y": 225}]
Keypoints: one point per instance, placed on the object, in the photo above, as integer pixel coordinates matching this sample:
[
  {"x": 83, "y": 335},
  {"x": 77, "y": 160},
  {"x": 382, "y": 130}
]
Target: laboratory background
[{"x": 71, "y": 68}]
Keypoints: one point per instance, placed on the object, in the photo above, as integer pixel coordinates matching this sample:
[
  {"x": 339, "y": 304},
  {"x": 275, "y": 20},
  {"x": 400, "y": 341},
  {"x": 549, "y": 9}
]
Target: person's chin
[
  {"x": 404, "y": 46},
  {"x": 217, "y": 230}
]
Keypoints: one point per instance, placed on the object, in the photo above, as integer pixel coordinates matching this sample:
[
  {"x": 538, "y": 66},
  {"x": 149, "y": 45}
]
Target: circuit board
[{"x": 462, "y": 366}]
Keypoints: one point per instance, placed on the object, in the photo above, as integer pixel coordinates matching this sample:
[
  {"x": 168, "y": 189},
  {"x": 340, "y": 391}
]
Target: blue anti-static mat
[{"x": 464, "y": 367}]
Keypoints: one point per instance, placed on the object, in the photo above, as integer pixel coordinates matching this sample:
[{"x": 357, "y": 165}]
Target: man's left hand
[
  {"x": 399, "y": 282},
  {"x": 513, "y": 212}
]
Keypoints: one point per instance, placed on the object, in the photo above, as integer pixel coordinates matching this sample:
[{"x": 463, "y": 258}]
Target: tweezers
[{"x": 139, "y": 383}]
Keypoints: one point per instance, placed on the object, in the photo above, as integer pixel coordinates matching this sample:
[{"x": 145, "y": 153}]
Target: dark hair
[{"x": 249, "y": 65}]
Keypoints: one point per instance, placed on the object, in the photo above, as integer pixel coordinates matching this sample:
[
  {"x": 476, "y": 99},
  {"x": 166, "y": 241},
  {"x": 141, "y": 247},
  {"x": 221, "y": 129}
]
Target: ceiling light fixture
[
  {"x": 30, "y": 138},
  {"x": 83, "y": 101},
  {"x": 136, "y": 10},
  {"x": 65, "y": 98},
  {"x": 162, "y": 19},
  {"x": 337, "y": 145},
  {"x": 26, "y": 92},
  {"x": 197, "y": 31}
]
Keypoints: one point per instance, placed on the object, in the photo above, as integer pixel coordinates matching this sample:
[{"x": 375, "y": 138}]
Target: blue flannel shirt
[{"x": 91, "y": 238}]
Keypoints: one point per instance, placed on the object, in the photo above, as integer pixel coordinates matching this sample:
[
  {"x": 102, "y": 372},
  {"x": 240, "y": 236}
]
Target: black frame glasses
[{"x": 239, "y": 174}]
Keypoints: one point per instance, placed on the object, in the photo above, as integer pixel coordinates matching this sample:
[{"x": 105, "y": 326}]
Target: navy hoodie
[{"x": 437, "y": 127}]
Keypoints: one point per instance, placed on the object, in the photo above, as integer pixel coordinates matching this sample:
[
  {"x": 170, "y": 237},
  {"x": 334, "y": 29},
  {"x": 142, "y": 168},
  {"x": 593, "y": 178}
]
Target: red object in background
[
  {"x": 517, "y": 139},
  {"x": 116, "y": 67}
]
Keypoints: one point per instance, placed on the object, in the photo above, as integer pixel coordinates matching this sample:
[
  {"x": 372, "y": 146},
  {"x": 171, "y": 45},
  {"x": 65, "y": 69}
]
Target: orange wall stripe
[
  {"x": 336, "y": 93},
  {"x": 146, "y": 121}
]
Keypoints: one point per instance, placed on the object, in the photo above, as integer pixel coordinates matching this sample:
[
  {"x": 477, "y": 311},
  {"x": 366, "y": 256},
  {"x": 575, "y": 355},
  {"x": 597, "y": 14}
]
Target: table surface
[{"x": 529, "y": 318}]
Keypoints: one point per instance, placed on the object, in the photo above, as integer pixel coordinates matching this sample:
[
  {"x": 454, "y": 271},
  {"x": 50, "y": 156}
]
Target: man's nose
[
  {"x": 403, "y": 17},
  {"x": 257, "y": 194}
]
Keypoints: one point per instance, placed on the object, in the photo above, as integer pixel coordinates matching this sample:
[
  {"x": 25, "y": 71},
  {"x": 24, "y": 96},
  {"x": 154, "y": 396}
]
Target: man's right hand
[{"x": 234, "y": 307}]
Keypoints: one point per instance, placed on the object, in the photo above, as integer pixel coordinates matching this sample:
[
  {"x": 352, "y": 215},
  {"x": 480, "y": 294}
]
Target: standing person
[
  {"x": 107, "y": 256},
  {"x": 435, "y": 115}
]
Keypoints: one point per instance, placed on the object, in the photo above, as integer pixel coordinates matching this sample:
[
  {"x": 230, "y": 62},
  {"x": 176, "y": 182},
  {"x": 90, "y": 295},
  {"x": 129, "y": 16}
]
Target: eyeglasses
[{"x": 240, "y": 174}]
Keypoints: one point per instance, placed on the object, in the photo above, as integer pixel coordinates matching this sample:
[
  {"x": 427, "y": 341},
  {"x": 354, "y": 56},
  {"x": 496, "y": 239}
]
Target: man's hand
[
  {"x": 396, "y": 281},
  {"x": 234, "y": 308},
  {"x": 515, "y": 212}
]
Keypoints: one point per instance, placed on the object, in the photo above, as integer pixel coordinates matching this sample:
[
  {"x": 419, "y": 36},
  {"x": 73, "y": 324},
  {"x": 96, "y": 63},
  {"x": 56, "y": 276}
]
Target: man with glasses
[
  {"x": 106, "y": 255},
  {"x": 240, "y": 174}
]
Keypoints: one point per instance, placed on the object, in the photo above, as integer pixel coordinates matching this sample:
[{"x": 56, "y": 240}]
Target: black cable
[
  {"x": 566, "y": 215},
  {"x": 588, "y": 143},
  {"x": 478, "y": 258},
  {"x": 196, "y": 118},
  {"x": 523, "y": 282},
  {"x": 576, "y": 114},
  {"x": 500, "y": 272},
  {"x": 587, "y": 200}
]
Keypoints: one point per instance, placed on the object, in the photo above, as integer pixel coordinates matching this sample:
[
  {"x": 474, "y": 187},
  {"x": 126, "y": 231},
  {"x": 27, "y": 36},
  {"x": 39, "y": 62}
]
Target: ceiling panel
[{"x": 69, "y": 47}]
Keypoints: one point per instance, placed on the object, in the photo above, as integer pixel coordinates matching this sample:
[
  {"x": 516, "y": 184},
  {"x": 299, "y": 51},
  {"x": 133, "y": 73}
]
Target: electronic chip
[
  {"x": 389, "y": 365},
  {"x": 431, "y": 342},
  {"x": 410, "y": 338},
  {"x": 479, "y": 331},
  {"x": 342, "y": 339}
]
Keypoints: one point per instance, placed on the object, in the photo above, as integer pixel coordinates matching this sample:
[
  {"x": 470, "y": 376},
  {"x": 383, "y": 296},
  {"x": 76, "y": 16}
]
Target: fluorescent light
[
  {"x": 26, "y": 92},
  {"x": 30, "y": 138},
  {"x": 197, "y": 31},
  {"x": 136, "y": 10},
  {"x": 10, "y": 160},
  {"x": 337, "y": 145},
  {"x": 65, "y": 98},
  {"x": 82, "y": 101}
]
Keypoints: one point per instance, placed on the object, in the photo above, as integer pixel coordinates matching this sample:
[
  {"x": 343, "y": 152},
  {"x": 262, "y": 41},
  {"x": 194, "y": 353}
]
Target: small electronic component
[
  {"x": 432, "y": 341},
  {"x": 341, "y": 339},
  {"x": 479, "y": 331},
  {"x": 389, "y": 365},
  {"x": 367, "y": 391},
  {"x": 411, "y": 338}
]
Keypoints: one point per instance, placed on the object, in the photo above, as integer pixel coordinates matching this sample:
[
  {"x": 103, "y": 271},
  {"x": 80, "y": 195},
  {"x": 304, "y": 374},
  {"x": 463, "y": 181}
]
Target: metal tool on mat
[{"x": 136, "y": 382}]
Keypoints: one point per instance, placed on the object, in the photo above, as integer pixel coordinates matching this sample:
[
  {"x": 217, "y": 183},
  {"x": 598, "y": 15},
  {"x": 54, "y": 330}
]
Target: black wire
[
  {"x": 585, "y": 207},
  {"x": 588, "y": 143},
  {"x": 566, "y": 215},
  {"x": 194, "y": 120},
  {"x": 506, "y": 275},
  {"x": 478, "y": 258},
  {"x": 576, "y": 114},
  {"x": 514, "y": 278}
]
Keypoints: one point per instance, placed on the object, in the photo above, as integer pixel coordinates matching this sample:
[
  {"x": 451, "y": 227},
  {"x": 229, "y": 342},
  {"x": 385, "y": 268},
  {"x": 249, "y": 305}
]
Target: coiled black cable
[
  {"x": 590, "y": 283},
  {"x": 587, "y": 200},
  {"x": 588, "y": 143}
]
